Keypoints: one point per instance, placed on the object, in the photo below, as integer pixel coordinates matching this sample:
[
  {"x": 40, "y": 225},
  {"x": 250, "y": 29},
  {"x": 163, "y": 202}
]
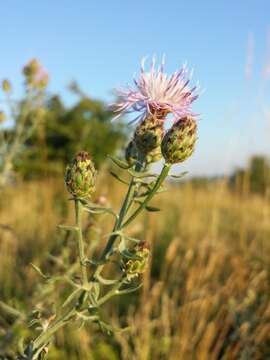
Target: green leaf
[
  {"x": 106, "y": 281},
  {"x": 141, "y": 175},
  {"x": 93, "y": 299},
  {"x": 132, "y": 239},
  {"x": 151, "y": 208},
  {"x": 105, "y": 327},
  {"x": 117, "y": 177},
  {"x": 96, "y": 262},
  {"x": 99, "y": 210},
  {"x": 120, "y": 163},
  {"x": 68, "y": 228},
  {"x": 129, "y": 290},
  {"x": 179, "y": 176},
  {"x": 129, "y": 255},
  {"x": 38, "y": 270},
  {"x": 71, "y": 297},
  {"x": 96, "y": 290}
]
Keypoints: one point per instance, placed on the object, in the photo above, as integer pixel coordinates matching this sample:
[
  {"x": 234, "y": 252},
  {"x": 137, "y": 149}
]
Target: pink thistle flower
[
  {"x": 157, "y": 93},
  {"x": 36, "y": 74}
]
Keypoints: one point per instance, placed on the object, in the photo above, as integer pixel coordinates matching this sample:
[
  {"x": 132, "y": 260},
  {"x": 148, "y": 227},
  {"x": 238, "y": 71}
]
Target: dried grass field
[{"x": 206, "y": 292}]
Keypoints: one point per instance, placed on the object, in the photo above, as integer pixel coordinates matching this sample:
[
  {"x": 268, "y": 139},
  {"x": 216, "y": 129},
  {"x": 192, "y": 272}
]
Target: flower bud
[
  {"x": 148, "y": 134},
  {"x": 132, "y": 154},
  {"x": 179, "y": 142},
  {"x": 135, "y": 267},
  {"x": 35, "y": 75},
  {"x": 6, "y": 86},
  {"x": 80, "y": 176},
  {"x": 2, "y": 117}
]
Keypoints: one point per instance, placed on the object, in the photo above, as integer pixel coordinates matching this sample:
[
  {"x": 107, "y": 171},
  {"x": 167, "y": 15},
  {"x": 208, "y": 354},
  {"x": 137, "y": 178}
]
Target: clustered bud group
[
  {"x": 136, "y": 267},
  {"x": 35, "y": 75},
  {"x": 176, "y": 145}
]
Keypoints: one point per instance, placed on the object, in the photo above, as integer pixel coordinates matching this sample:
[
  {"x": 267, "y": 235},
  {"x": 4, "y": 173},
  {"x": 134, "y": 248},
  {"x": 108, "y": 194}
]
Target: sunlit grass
[{"x": 206, "y": 296}]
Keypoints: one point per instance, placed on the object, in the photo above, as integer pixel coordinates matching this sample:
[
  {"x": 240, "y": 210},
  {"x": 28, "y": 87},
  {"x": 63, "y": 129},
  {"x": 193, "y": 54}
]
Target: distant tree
[
  {"x": 64, "y": 131},
  {"x": 255, "y": 178},
  {"x": 259, "y": 174}
]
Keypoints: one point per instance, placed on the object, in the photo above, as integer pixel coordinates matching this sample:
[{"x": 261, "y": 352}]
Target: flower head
[
  {"x": 136, "y": 267},
  {"x": 157, "y": 93},
  {"x": 178, "y": 143},
  {"x": 35, "y": 74},
  {"x": 80, "y": 176}
]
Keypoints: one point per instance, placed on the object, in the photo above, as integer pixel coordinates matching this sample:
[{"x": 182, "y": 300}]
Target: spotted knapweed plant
[
  {"x": 154, "y": 97},
  {"x": 20, "y": 118}
]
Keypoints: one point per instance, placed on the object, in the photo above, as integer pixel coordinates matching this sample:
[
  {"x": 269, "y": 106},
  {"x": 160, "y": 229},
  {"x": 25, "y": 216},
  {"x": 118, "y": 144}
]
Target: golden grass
[{"x": 206, "y": 296}]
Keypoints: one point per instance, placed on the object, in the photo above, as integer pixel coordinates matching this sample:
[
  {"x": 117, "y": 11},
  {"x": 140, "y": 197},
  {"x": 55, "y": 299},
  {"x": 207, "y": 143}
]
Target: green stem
[
  {"x": 126, "y": 204},
  {"x": 78, "y": 215},
  {"x": 160, "y": 179},
  {"x": 127, "y": 200},
  {"x": 110, "y": 294},
  {"x": 45, "y": 336}
]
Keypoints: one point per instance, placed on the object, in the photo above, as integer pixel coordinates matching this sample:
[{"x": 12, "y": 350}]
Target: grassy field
[{"x": 205, "y": 296}]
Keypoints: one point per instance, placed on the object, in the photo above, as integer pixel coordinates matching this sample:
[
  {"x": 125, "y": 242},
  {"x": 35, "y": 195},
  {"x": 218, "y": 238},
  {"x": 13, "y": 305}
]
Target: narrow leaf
[
  {"x": 100, "y": 210},
  {"x": 132, "y": 239},
  {"x": 38, "y": 270},
  {"x": 179, "y": 176},
  {"x": 71, "y": 297},
  {"x": 129, "y": 255},
  {"x": 129, "y": 290},
  {"x": 68, "y": 228},
  {"x": 117, "y": 177},
  {"x": 120, "y": 163},
  {"x": 93, "y": 299},
  {"x": 152, "y": 208},
  {"x": 96, "y": 262},
  {"x": 106, "y": 281},
  {"x": 142, "y": 175}
]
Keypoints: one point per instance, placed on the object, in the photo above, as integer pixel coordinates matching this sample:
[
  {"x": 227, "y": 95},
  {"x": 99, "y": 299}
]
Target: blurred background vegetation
[
  {"x": 64, "y": 131},
  {"x": 206, "y": 294}
]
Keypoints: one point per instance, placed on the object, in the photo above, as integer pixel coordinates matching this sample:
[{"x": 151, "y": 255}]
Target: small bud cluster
[
  {"x": 35, "y": 75},
  {"x": 135, "y": 267},
  {"x": 80, "y": 176},
  {"x": 6, "y": 86},
  {"x": 2, "y": 117},
  {"x": 175, "y": 146}
]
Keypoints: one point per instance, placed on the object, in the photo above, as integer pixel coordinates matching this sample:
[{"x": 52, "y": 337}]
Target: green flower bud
[
  {"x": 179, "y": 142},
  {"x": 80, "y": 176},
  {"x": 6, "y": 86},
  {"x": 35, "y": 75},
  {"x": 2, "y": 117},
  {"x": 148, "y": 134},
  {"x": 134, "y": 268},
  {"x": 132, "y": 154}
]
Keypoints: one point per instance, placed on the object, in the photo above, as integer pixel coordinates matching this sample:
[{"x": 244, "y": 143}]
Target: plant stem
[
  {"x": 126, "y": 204},
  {"x": 46, "y": 335},
  {"x": 160, "y": 179},
  {"x": 110, "y": 294},
  {"x": 78, "y": 215}
]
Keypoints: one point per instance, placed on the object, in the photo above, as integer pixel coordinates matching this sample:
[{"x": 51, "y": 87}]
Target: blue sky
[{"x": 100, "y": 44}]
